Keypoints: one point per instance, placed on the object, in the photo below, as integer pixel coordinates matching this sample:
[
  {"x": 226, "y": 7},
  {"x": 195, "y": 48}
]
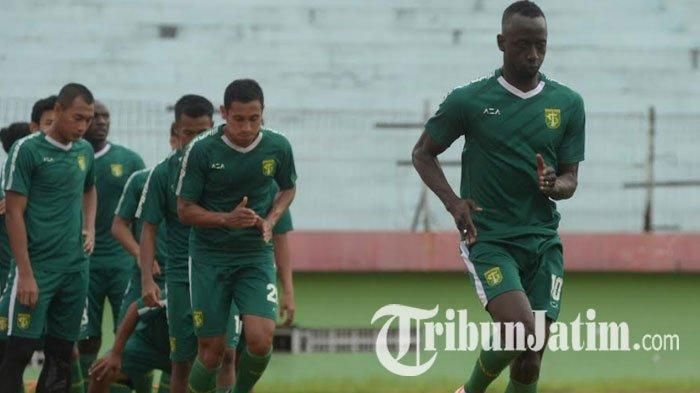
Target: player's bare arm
[
  {"x": 425, "y": 161},
  {"x": 558, "y": 186},
  {"x": 190, "y": 213},
  {"x": 121, "y": 230},
  {"x": 284, "y": 274},
  {"x": 27, "y": 289},
  {"x": 89, "y": 213},
  {"x": 279, "y": 206},
  {"x": 150, "y": 292},
  {"x": 108, "y": 368}
]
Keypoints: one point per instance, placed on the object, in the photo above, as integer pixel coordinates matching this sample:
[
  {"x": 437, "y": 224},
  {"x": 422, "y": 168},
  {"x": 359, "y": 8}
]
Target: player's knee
[
  {"x": 19, "y": 350},
  {"x": 526, "y": 367},
  {"x": 229, "y": 357},
  {"x": 90, "y": 345},
  {"x": 211, "y": 353},
  {"x": 260, "y": 344}
]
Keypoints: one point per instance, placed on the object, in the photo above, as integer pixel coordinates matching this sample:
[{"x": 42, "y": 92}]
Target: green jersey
[
  {"x": 159, "y": 204},
  {"x": 216, "y": 174},
  {"x": 5, "y": 252},
  {"x": 126, "y": 209},
  {"x": 113, "y": 166},
  {"x": 53, "y": 177},
  {"x": 503, "y": 130},
  {"x": 284, "y": 223}
]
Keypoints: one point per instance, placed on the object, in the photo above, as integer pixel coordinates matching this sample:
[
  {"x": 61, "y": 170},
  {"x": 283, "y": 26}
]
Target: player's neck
[
  {"x": 97, "y": 146},
  {"x": 55, "y": 135},
  {"x": 523, "y": 84}
]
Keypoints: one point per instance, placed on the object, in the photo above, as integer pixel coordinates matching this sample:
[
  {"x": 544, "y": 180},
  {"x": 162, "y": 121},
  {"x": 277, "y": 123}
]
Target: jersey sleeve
[
  {"x": 129, "y": 200},
  {"x": 571, "y": 149},
  {"x": 286, "y": 175},
  {"x": 193, "y": 173},
  {"x": 18, "y": 172},
  {"x": 90, "y": 177},
  {"x": 153, "y": 201},
  {"x": 449, "y": 122},
  {"x": 147, "y": 313},
  {"x": 284, "y": 224},
  {"x": 137, "y": 162}
]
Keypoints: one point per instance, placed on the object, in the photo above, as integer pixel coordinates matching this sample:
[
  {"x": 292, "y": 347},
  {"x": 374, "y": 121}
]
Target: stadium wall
[{"x": 437, "y": 251}]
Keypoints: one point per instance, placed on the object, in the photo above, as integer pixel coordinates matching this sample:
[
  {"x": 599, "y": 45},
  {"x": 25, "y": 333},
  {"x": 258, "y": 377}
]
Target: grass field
[{"x": 648, "y": 303}]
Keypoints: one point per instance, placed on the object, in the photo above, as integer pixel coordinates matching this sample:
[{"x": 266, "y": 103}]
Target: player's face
[
  {"x": 46, "y": 120},
  {"x": 243, "y": 121},
  {"x": 99, "y": 128},
  {"x": 72, "y": 122},
  {"x": 188, "y": 128},
  {"x": 524, "y": 44}
]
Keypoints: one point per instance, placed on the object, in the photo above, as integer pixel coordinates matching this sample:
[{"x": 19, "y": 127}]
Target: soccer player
[
  {"x": 140, "y": 346},
  {"x": 42, "y": 114},
  {"x": 193, "y": 115},
  {"x": 51, "y": 202},
  {"x": 524, "y": 138},
  {"x": 110, "y": 264},
  {"x": 224, "y": 193}
]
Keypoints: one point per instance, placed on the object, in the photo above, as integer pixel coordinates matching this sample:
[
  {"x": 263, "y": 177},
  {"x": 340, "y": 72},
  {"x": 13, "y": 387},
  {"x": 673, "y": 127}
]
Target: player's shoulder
[
  {"x": 562, "y": 89},
  {"x": 28, "y": 141},
  {"x": 141, "y": 175},
  {"x": 125, "y": 152},
  {"x": 275, "y": 137},
  {"x": 84, "y": 147},
  {"x": 472, "y": 89}
]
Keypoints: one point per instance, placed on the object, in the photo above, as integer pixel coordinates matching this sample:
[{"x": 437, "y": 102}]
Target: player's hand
[
  {"x": 241, "y": 216},
  {"x": 156, "y": 268},
  {"x": 107, "y": 366},
  {"x": 88, "y": 240},
  {"x": 462, "y": 213},
  {"x": 546, "y": 175},
  {"x": 2, "y": 206},
  {"x": 27, "y": 290},
  {"x": 150, "y": 292},
  {"x": 265, "y": 229},
  {"x": 287, "y": 308}
]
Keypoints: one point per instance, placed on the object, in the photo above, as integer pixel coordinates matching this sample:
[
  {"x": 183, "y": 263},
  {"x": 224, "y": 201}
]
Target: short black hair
[
  {"x": 193, "y": 106},
  {"x": 41, "y": 106},
  {"x": 522, "y": 7},
  {"x": 243, "y": 90},
  {"x": 10, "y": 134},
  {"x": 71, "y": 91}
]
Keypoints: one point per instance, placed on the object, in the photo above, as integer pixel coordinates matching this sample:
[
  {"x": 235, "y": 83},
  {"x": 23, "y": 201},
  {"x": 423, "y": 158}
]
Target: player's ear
[
  {"x": 222, "y": 109},
  {"x": 501, "y": 41}
]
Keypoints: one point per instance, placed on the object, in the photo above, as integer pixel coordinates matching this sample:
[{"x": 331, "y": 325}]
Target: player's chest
[
  {"x": 57, "y": 170},
  {"x": 111, "y": 173},
  {"x": 226, "y": 169},
  {"x": 534, "y": 123}
]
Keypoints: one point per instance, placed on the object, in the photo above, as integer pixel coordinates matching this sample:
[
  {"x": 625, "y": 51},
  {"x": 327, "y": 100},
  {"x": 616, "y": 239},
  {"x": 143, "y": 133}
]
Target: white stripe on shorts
[{"x": 470, "y": 266}]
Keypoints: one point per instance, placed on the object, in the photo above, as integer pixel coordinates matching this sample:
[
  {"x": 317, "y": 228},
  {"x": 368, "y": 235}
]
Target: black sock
[
  {"x": 18, "y": 353},
  {"x": 55, "y": 375}
]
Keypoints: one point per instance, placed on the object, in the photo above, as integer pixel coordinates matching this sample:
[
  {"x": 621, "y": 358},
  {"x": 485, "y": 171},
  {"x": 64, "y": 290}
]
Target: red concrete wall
[{"x": 405, "y": 251}]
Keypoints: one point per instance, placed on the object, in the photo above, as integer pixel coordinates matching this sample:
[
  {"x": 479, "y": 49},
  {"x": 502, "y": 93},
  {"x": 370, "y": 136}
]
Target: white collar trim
[
  {"x": 517, "y": 92},
  {"x": 240, "y": 149},
  {"x": 103, "y": 151},
  {"x": 59, "y": 144}
]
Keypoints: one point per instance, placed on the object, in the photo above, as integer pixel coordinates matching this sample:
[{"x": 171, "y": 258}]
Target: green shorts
[
  {"x": 220, "y": 293},
  {"x": 131, "y": 294},
  {"x": 4, "y": 272},
  {"x": 183, "y": 342},
  {"x": 107, "y": 284},
  {"x": 532, "y": 264},
  {"x": 140, "y": 358},
  {"x": 59, "y": 311},
  {"x": 5, "y": 305}
]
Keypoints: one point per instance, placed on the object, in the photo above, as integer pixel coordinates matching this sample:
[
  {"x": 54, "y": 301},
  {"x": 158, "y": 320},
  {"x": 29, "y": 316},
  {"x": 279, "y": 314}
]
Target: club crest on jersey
[
  {"x": 552, "y": 118},
  {"x": 173, "y": 344},
  {"x": 82, "y": 162},
  {"x": 268, "y": 167},
  {"x": 198, "y": 318},
  {"x": 24, "y": 320},
  {"x": 117, "y": 170},
  {"x": 3, "y": 324},
  {"x": 493, "y": 276}
]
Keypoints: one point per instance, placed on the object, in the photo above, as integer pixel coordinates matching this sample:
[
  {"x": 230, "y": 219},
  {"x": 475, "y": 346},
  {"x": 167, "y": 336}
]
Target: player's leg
[
  {"x": 495, "y": 275},
  {"x": 118, "y": 285},
  {"x": 183, "y": 342},
  {"x": 544, "y": 293},
  {"x": 227, "y": 375},
  {"x": 91, "y": 339},
  {"x": 211, "y": 306},
  {"x": 64, "y": 318},
  {"x": 256, "y": 296},
  {"x": 5, "y": 312},
  {"x": 76, "y": 372},
  {"x": 25, "y": 328}
]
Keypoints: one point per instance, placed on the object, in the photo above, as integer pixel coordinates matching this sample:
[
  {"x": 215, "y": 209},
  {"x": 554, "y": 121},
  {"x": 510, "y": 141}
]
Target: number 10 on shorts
[{"x": 557, "y": 283}]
